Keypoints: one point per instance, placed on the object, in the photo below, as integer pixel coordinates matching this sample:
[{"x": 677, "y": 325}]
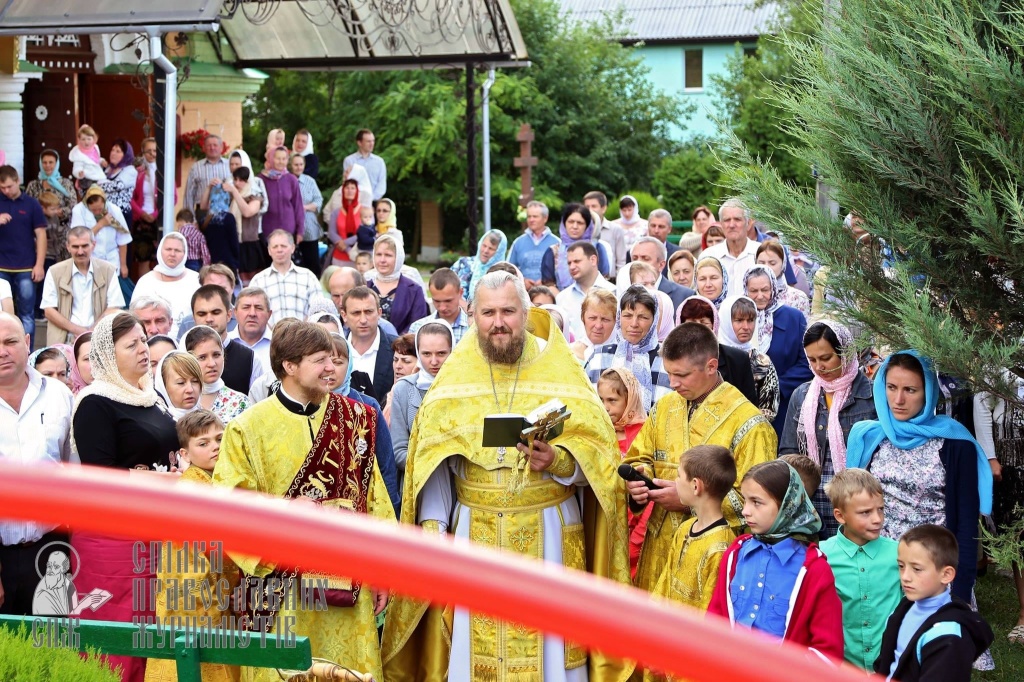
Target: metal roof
[
  {"x": 681, "y": 20},
  {"x": 314, "y": 34}
]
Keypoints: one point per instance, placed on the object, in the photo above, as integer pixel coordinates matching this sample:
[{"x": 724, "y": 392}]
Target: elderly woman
[
  {"x": 779, "y": 333},
  {"x": 823, "y": 411},
  {"x": 108, "y": 226},
  {"x": 771, "y": 255},
  {"x": 489, "y": 250},
  {"x": 178, "y": 380},
  {"x": 930, "y": 467},
  {"x": 433, "y": 346},
  {"x": 206, "y": 346},
  {"x": 284, "y": 198},
  {"x": 121, "y": 175},
  {"x": 312, "y": 201},
  {"x": 634, "y": 346},
  {"x": 681, "y": 266},
  {"x": 119, "y": 423},
  {"x": 599, "y": 311},
  {"x": 401, "y": 299},
  {"x": 170, "y": 279}
]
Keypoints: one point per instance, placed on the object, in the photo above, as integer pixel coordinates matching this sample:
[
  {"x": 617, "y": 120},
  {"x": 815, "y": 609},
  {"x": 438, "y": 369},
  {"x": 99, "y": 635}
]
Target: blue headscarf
[
  {"x": 53, "y": 180},
  {"x": 480, "y": 268},
  {"x": 866, "y": 436},
  {"x": 346, "y": 386}
]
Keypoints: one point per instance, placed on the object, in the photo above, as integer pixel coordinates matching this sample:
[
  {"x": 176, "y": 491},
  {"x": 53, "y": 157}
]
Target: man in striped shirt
[
  {"x": 288, "y": 287},
  {"x": 205, "y": 170}
]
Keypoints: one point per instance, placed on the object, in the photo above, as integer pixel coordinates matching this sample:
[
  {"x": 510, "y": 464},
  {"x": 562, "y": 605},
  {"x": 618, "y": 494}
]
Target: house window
[{"x": 694, "y": 69}]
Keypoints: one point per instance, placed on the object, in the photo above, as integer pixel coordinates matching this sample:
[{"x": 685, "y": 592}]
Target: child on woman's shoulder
[
  {"x": 863, "y": 563},
  {"x": 932, "y": 636},
  {"x": 774, "y": 579},
  {"x": 87, "y": 164}
]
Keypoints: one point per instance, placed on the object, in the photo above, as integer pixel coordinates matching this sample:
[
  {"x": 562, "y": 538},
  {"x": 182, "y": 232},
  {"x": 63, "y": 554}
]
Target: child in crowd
[
  {"x": 87, "y": 165},
  {"x": 364, "y": 262},
  {"x": 932, "y": 635},
  {"x": 56, "y": 227},
  {"x": 622, "y": 397},
  {"x": 774, "y": 579},
  {"x": 863, "y": 563},
  {"x": 810, "y": 473},
  {"x": 199, "y": 254},
  {"x": 541, "y": 295},
  {"x": 366, "y": 233},
  {"x": 209, "y": 573}
]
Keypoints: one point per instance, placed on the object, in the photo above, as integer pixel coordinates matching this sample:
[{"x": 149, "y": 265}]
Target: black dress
[{"x": 119, "y": 436}]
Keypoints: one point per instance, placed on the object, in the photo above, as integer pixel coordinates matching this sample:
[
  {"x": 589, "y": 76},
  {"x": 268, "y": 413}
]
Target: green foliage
[
  {"x": 585, "y": 139},
  {"x": 911, "y": 111},
  {"x": 688, "y": 179},
  {"x": 746, "y": 93},
  {"x": 20, "y": 661},
  {"x": 1006, "y": 547}
]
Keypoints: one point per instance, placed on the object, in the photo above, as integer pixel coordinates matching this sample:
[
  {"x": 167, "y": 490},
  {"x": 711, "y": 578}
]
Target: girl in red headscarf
[{"x": 344, "y": 220}]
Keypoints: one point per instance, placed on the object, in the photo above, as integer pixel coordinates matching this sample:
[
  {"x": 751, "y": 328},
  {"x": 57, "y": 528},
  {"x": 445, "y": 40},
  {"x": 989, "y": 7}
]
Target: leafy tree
[
  {"x": 597, "y": 123},
  {"x": 911, "y": 111},
  {"x": 688, "y": 179}
]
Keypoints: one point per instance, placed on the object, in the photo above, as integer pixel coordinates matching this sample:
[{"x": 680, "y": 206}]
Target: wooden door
[
  {"x": 115, "y": 107},
  {"x": 50, "y": 119}
]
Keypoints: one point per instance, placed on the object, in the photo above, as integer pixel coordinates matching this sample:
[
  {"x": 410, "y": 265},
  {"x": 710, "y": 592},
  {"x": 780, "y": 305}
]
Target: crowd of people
[{"x": 786, "y": 478}]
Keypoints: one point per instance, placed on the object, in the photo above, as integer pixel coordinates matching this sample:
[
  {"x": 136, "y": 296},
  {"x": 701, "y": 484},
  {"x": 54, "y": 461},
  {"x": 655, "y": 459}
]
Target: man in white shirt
[
  {"x": 371, "y": 348},
  {"x": 446, "y": 295},
  {"x": 287, "y": 285},
  {"x": 77, "y": 292},
  {"x": 253, "y": 312},
  {"x": 211, "y": 306},
  {"x": 581, "y": 259},
  {"x": 35, "y": 427},
  {"x": 738, "y": 253},
  {"x": 608, "y": 232}
]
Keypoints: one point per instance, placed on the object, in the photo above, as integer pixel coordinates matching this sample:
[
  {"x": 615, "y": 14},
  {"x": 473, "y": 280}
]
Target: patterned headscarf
[
  {"x": 636, "y": 357},
  {"x": 797, "y": 516},
  {"x": 839, "y": 385},
  {"x": 53, "y": 180},
  {"x": 479, "y": 267},
  {"x": 634, "y": 412},
  {"x": 77, "y": 380},
  {"x": 714, "y": 262},
  {"x": 766, "y": 317}
]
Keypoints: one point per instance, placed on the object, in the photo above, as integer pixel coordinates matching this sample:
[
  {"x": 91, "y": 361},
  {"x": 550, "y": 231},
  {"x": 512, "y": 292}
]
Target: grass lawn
[{"x": 997, "y": 602}]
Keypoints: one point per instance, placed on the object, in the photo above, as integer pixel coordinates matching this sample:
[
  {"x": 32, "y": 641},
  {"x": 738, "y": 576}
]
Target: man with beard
[
  {"x": 305, "y": 442},
  {"x": 55, "y": 594},
  {"x": 504, "y": 365}
]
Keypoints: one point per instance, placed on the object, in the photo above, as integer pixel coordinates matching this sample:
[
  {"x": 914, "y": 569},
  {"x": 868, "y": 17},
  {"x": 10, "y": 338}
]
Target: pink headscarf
[
  {"x": 665, "y": 321},
  {"x": 634, "y": 412},
  {"x": 77, "y": 382},
  {"x": 839, "y": 387}
]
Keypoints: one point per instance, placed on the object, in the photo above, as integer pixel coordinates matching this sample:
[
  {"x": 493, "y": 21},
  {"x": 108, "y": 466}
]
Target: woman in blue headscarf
[
  {"x": 58, "y": 218},
  {"x": 491, "y": 249},
  {"x": 930, "y": 467}
]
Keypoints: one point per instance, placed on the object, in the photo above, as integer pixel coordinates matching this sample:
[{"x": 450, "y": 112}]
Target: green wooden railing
[{"x": 122, "y": 639}]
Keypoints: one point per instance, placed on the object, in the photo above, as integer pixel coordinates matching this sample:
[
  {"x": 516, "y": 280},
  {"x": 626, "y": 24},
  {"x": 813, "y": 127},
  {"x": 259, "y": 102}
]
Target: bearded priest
[{"x": 561, "y": 502}]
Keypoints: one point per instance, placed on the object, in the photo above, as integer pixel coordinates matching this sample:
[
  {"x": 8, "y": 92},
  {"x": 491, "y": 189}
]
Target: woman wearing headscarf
[
  {"x": 50, "y": 180},
  {"x": 108, "y": 227},
  {"x": 118, "y": 422},
  {"x": 823, "y": 411},
  {"x": 712, "y": 280},
  {"x": 54, "y": 362},
  {"x": 634, "y": 346},
  {"x": 248, "y": 204},
  {"x": 433, "y": 346},
  {"x": 773, "y": 255},
  {"x": 170, "y": 279},
  {"x": 121, "y": 175},
  {"x": 489, "y": 250},
  {"x": 81, "y": 366},
  {"x": 930, "y": 467},
  {"x": 561, "y": 319},
  {"x": 386, "y": 216},
  {"x": 401, "y": 299},
  {"x": 302, "y": 144},
  {"x": 632, "y": 223},
  {"x": 577, "y": 225},
  {"x": 178, "y": 381},
  {"x": 342, "y": 215},
  {"x": 779, "y": 335},
  {"x": 207, "y": 347},
  {"x": 737, "y": 331}
]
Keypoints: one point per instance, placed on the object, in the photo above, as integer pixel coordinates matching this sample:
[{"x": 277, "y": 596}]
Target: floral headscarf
[
  {"x": 766, "y": 317},
  {"x": 479, "y": 267},
  {"x": 714, "y": 262},
  {"x": 636, "y": 357},
  {"x": 797, "y": 517},
  {"x": 839, "y": 385}
]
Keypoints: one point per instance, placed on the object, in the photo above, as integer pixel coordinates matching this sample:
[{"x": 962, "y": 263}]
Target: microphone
[{"x": 630, "y": 474}]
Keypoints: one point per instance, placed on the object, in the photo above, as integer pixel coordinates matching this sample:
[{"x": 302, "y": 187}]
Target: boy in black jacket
[{"x": 932, "y": 636}]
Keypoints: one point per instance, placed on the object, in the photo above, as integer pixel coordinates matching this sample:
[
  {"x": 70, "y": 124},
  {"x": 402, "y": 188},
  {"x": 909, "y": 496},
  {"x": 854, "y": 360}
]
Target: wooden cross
[{"x": 525, "y": 163}]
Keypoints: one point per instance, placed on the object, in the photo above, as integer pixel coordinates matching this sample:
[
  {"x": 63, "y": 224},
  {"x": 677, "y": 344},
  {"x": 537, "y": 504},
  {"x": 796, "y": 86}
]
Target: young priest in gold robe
[
  {"x": 305, "y": 442},
  {"x": 702, "y": 410},
  {"x": 506, "y": 365}
]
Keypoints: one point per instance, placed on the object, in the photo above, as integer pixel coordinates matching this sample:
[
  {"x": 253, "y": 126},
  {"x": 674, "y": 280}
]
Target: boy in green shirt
[{"x": 863, "y": 562}]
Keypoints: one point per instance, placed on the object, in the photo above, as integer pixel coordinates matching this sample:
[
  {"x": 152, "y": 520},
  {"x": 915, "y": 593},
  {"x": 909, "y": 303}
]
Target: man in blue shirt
[
  {"x": 529, "y": 248},
  {"x": 22, "y": 245},
  {"x": 375, "y": 167}
]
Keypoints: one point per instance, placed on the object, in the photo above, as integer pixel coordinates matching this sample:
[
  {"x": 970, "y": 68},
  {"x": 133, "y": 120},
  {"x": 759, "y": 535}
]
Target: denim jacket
[{"x": 860, "y": 405}]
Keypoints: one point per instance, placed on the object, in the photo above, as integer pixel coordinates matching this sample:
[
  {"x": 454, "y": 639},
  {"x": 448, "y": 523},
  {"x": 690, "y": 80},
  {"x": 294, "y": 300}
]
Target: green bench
[{"x": 121, "y": 639}]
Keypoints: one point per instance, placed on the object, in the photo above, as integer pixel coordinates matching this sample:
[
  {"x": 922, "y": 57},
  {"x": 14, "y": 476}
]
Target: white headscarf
[
  {"x": 215, "y": 387},
  {"x": 424, "y": 379},
  {"x": 106, "y": 378},
  {"x": 726, "y": 334},
  {"x": 162, "y": 267},
  {"x": 161, "y": 388},
  {"x": 399, "y": 259},
  {"x": 636, "y": 212},
  {"x": 309, "y": 145}
]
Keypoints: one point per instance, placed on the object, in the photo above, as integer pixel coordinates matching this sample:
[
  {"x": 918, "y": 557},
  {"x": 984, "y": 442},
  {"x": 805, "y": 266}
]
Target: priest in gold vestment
[
  {"x": 455, "y": 485},
  {"x": 702, "y": 410},
  {"x": 305, "y": 442}
]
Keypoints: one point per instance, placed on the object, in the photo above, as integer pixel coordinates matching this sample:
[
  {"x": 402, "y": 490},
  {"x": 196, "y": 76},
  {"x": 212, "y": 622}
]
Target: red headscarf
[{"x": 348, "y": 220}]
